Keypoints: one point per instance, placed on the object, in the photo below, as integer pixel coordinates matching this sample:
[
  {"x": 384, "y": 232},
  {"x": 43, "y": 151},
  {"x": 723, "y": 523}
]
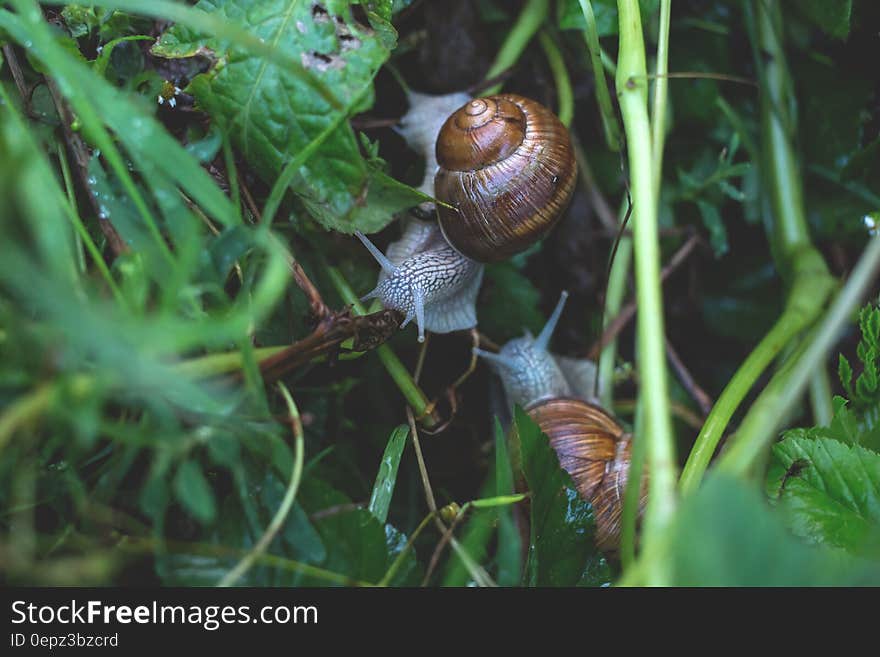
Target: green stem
[
  {"x": 820, "y": 398},
  {"x": 603, "y": 95},
  {"x": 810, "y": 282},
  {"x": 632, "y": 493},
  {"x": 661, "y": 88},
  {"x": 777, "y": 132},
  {"x": 530, "y": 18},
  {"x": 232, "y": 175},
  {"x": 210, "y": 365},
  {"x": 632, "y": 96},
  {"x": 418, "y": 402},
  {"x": 760, "y": 426},
  {"x": 280, "y": 516},
  {"x": 398, "y": 561},
  {"x": 614, "y": 297},
  {"x": 812, "y": 286},
  {"x": 560, "y": 77}
]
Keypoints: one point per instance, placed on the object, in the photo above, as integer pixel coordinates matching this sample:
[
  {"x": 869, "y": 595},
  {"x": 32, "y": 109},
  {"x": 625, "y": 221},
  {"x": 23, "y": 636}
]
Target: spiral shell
[
  {"x": 507, "y": 167},
  {"x": 595, "y": 450}
]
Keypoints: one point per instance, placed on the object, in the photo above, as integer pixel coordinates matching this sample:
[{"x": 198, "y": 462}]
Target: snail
[
  {"x": 591, "y": 445},
  {"x": 506, "y": 165},
  {"x": 509, "y": 149}
]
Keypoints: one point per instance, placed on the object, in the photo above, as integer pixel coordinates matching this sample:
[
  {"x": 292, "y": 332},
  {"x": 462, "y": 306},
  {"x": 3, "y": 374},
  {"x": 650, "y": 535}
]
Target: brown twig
[
  {"x": 368, "y": 331},
  {"x": 249, "y": 201},
  {"x": 17, "y": 75},
  {"x": 629, "y": 310},
  {"x": 687, "y": 380},
  {"x": 81, "y": 157}
]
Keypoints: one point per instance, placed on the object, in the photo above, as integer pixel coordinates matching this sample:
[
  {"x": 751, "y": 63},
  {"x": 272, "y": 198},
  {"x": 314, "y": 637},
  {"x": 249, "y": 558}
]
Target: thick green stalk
[
  {"x": 809, "y": 279},
  {"x": 761, "y": 424},
  {"x": 658, "y": 125},
  {"x": 530, "y": 18},
  {"x": 812, "y": 285},
  {"x": 782, "y": 169},
  {"x": 633, "y": 98},
  {"x": 414, "y": 396}
]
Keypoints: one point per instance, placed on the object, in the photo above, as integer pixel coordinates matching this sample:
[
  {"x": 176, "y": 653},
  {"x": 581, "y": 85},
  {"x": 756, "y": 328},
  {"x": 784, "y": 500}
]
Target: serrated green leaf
[
  {"x": 562, "y": 550},
  {"x": 275, "y": 114},
  {"x": 725, "y": 535},
  {"x": 194, "y": 493},
  {"x": 835, "y": 496}
]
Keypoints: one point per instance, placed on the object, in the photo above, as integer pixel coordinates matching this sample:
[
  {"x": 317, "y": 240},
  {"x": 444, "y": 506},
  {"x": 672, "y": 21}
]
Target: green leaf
[
  {"x": 715, "y": 225},
  {"x": 101, "y": 63},
  {"x": 509, "y": 303},
  {"x": 194, "y": 493},
  {"x": 274, "y": 114},
  {"x": 358, "y": 545},
  {"x": 79, "y": 20},
  {"x": 834, "y": 497},
  {"x": 383, "y": 489},
  {"x": 725, "y": 535},
  {"x": 832, "y": 17},
  {"x": 562, "y": 551}
]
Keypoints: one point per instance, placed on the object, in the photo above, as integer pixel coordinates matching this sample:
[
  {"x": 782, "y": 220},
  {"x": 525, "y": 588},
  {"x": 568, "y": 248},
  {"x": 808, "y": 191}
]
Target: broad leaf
[
  {"x": 274, "y": 114},
  {"x": 562, "y": 551},
  {"x": 831, "y": 491},
  {"x": 725, "y": 535}
]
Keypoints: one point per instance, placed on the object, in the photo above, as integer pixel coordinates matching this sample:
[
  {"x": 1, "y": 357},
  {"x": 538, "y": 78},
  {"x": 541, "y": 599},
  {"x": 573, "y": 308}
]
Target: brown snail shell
[
  {"x": 595, "y": 450},
  {"x": 506, "y": 164}
]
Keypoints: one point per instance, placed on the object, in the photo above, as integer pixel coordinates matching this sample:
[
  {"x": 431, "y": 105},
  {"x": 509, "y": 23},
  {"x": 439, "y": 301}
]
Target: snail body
[
  {"x": 590, "y": 444},
  {"x": 427, "y": 280},
  {"x": 506, "y": 165}
]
